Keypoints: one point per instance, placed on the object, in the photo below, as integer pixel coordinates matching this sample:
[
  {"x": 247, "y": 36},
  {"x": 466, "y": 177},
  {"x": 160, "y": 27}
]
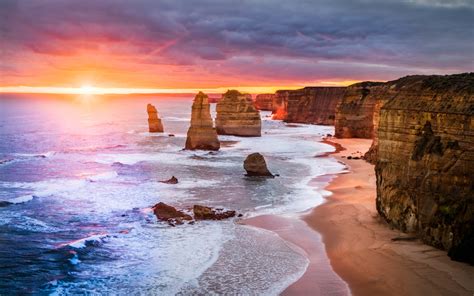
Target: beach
[{"x": 359, "y": 243}]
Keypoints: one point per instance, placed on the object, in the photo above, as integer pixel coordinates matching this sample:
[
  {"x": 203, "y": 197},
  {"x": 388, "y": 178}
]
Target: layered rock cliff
[
  {"x": 236, "y": 115},
  {"x": 425, "y": 162},
  {"x": 280, "y": 103},
  {"x": 201, "y": 134},
  {"x": 154, "y": 122},
  {"x": 355, "y": 112},
  {"x": 264, "y": 102},
  {"x": 314, "y": 105}
]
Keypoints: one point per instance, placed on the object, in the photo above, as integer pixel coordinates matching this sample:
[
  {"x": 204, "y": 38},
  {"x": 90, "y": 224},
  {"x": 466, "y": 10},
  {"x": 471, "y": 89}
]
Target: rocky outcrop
[
  {"x": 237, "y": 116},
  {"x": 314, "y": 105},
  {"x": 172, "y": 180},
  {"x": 154, "y": 122},
  {"x": 201, "y": 134},
  {"x": 170, "y": 214},
  {"x": 355, "y": 112},
  {"x": 280, "y": 103},
  {"x": 264, "y": 102},
  {"x": 425, "y": 162},
  {"x": 207, "y": 213},
  {"x": 255, "y": 165}
]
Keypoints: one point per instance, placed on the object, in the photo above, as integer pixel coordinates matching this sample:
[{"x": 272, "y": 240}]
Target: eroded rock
[
  {"x": 208, "y": 213},
  {"x": 236, "y": 115},
  {"x": 255, "y": 165},
  {"x": 154, "y": 122},
  {"x": 170, "y": 214},
  {"x": 201, "y": 134}
]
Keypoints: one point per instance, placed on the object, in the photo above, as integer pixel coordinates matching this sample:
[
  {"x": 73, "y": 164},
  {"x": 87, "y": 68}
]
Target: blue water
[{"x": 81, "y": 174}]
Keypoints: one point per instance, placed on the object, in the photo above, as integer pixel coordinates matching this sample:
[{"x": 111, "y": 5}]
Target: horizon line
[{"x": 93, "y": 90}]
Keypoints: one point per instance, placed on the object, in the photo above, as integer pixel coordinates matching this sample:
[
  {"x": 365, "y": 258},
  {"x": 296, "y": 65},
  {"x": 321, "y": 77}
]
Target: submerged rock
[
  {"x": 154, "y": 122},
  {"x": 172, "y": 180},
  {"x": 201, "y": 134},
  {"x": 5, "y": 203},
  {"x": 255, "y": 165},
  {"x": 236, "y": 115},
  {"x": 208, "y": 213},
  {"x": 170, "y": 214}
]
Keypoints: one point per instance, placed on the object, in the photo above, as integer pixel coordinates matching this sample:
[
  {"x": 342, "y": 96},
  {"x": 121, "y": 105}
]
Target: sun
[{"x": 87, "y": 90}]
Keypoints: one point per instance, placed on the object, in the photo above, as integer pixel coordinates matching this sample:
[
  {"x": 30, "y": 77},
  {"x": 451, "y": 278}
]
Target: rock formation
[
  {"x": 255, "y": 165},
  {"x": 154, "y": 122},
  {"x": 280, "y": 102},
  {"x": 264, "y": 102},
  {"x": 201, "y": 134},
  {"x": 355, "y": 112},
  {"x": 169, "y": 214},
  {"x": 314, "y": 105},
  {"x": 207, "y": 213},
  {"x": 425, "y": 162},
  {"x": 172, "y": 180},
  {"x": 237, "y": 116}
]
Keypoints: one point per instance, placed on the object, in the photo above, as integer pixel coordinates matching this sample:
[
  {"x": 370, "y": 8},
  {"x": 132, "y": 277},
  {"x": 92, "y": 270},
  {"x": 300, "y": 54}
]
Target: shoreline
[{"x": 357, "y": 243}]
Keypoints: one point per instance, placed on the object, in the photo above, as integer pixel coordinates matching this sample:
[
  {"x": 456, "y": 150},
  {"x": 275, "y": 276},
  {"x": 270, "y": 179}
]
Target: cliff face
[
  {"x": 316, "y": 105},
  {"x": 154, "y": 123},
  {"x": 237, "y": 116},
  {"x": 355, "y": 112},
  {"x": 201, "y": 134},
  {"x": 264, "y": 102},
  {"x": 425, "y": 163},
  {"x": 280, "y": 103}
]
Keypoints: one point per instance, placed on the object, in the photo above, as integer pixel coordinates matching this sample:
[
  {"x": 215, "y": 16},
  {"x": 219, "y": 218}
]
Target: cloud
[{"x": 288, "y": 40}]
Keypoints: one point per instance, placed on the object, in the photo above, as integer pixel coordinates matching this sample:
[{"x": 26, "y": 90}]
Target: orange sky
[{"x": 146, "y": 46}]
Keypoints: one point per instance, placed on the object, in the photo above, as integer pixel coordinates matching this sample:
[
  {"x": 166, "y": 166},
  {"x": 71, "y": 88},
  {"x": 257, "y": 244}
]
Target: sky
[{"x": 212, "y": 45}]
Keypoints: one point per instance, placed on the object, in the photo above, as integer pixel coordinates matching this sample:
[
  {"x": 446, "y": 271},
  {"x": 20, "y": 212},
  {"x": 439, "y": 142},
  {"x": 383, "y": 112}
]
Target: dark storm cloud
[{"x": 414, "y": 35}]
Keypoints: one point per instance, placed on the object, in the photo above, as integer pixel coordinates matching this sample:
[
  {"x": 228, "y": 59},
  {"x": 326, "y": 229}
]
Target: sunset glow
[{"x": 77, "y": 48}]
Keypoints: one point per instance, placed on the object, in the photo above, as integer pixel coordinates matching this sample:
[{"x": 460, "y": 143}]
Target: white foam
[
  {"x": 21, "y": 199},
  {"x": 82, "y": 243}
]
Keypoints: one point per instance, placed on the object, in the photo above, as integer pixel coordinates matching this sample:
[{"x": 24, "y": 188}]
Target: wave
[{"x": 84, "y": 242}]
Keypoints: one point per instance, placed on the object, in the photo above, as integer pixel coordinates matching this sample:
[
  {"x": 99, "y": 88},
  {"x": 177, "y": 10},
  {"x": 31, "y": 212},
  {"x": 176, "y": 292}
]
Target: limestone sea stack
[
  {"x": 154, "y": 122},
  {"x": 255, "y": 165},
  {"x": 425, "y": 161},
  {"x": 201, "y": 134},
  {"x": 236, "y": 115},
  {"x": 264, "y": 102}
]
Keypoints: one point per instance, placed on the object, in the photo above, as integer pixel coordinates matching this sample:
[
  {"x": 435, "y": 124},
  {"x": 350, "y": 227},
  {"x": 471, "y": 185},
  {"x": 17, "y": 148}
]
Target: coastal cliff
[
  {"x": 425, "y": 161},
  {"x": 355, "y": 112},
  {"x": 201, "y": 134},
  {"x": 315, "y": 105},
  {"x": 236, "y": 115},
  {"x": 280, "y": 102},
  {"x": 264, "y": 102}
]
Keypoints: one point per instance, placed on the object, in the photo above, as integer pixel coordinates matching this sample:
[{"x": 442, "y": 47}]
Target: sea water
[{"x": 81, "y": 174}]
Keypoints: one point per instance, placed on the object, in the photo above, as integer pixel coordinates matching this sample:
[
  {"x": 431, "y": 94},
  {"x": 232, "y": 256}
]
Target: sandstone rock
[
  {"x": 172, "y": 180},
  {"x": 154, "y": 122},
  {"x": 264, "y": 102},
  {"x": 170, "y": 214},
  {"x": 237, "y": 116},
  {"x": 255, "y": 165},
  {"x": 207, "y": 213},
  {"x": 314, "y": 105},
  {"x": 280, "y": 103},
  {"x": 425, "y": 163},
  {"x": 355, "y": 112},
  {"x": 201, "y": 134}
]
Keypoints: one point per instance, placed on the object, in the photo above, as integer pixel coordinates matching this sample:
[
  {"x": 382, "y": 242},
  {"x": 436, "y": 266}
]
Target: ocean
[{"x": 81, "y": 174}]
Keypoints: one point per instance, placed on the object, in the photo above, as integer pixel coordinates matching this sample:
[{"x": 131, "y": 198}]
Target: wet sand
[{"x": 358, "y": 244}]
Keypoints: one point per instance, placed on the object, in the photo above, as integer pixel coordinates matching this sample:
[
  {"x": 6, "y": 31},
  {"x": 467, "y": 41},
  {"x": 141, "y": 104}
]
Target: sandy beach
[{"x": 359, "y": 244}]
